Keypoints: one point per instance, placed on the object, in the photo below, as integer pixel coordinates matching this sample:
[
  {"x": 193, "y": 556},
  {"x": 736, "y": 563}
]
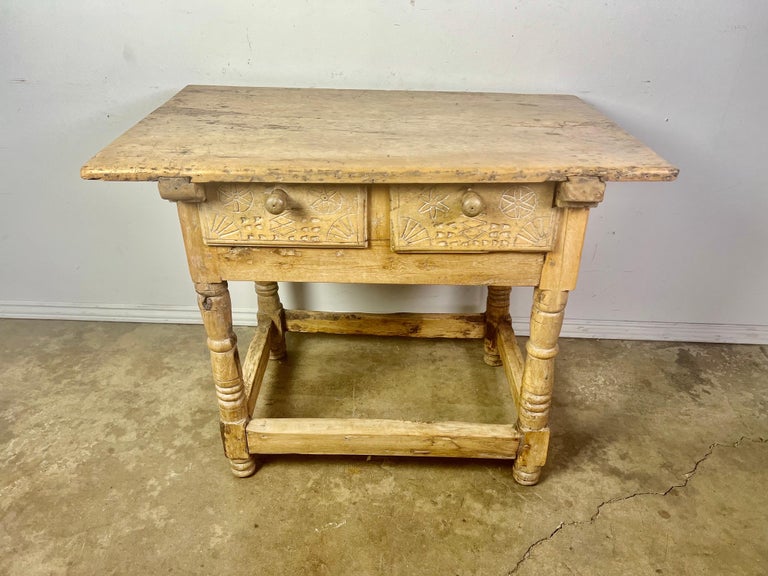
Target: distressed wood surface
[
  {"x": 271, "y": 312},
  {"x": 255, "y": 364},
  {"x": 216, "y": 310},
  {"x": 580, "y": 191},
  {"x": 511, "y": 358},
  {"x": 561, "y": 265},
  {"x": 532, "y": 455},
  {"x": 305, "y": 185},
  {"x": 202, "y": 262},
  {"x": 381, "y": 437},
  {"x": 496, "y": 314},
  {"x": 377, "y": 265},
  {"x": 239, "y": 134},
  {"x": 478, "y": 218},
  {"x": 181, "y": 190},
  {"x": 418, "y": 325},
  {"x": 311, "y": 215},
  {"x": 537, "y": 381}
]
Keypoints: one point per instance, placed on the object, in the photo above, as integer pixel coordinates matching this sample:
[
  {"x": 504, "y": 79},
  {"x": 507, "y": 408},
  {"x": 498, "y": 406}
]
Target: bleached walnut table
[{"x": 299, "y": 185}]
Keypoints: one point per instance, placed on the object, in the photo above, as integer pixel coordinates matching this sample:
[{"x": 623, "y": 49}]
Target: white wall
[{"x": 681, "y": 260}]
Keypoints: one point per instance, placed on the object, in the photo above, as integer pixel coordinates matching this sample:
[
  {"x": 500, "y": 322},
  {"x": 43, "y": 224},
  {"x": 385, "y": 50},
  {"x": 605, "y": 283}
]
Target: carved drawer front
[
  {"x": 480, "y": 218},
  {"x": 284, "y": 215}
]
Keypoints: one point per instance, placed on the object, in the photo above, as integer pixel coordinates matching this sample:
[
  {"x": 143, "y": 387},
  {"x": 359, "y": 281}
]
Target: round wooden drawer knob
[
  {"x": 472, "y": 204},
  {"x": 276, "y": 202}
]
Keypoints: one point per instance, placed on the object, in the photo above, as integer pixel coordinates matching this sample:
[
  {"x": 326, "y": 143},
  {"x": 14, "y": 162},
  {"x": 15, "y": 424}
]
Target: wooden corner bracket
[
  {"x": 181, "y": 190},
  {"x": 579, "y": 192}
]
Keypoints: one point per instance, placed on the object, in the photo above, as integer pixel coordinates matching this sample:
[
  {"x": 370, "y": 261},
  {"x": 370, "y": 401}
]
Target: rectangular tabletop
[{"x": 239, "y": 134}]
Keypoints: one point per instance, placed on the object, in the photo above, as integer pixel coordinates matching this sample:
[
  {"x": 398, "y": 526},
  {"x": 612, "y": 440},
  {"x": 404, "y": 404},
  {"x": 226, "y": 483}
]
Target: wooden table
[{"x": 298, "y": 185}]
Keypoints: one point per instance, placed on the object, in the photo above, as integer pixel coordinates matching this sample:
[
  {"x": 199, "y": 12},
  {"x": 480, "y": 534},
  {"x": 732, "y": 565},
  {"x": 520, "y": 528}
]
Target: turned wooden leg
[
  {"x": 271, "y": 310},
  {"x": 536, "y": 389},
  {"x": 496, "y": 312},
  {"x": 216, "y": 310}
]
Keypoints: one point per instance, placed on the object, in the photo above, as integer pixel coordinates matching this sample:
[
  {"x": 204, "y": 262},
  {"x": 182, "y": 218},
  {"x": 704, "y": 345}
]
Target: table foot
[
  {"x": 526, "y": 475},
  {"x": 243, "y": 467},
  {"x": 496, "y": 312}
]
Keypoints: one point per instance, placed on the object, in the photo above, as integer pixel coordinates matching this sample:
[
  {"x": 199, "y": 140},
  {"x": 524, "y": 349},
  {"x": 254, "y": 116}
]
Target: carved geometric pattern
[
  {"x": 235, "y": 214},
  {"x": 326, "y": 200},
  {"x": 535, "y": 233},
  {"x": 514, "y": 217},
  {"x": 474, "y": 229},
  {"x": 282, "y": 225},
  {"x": 222, "y": 226},
  {"x": 433, "y": 202},
  {"x": 251, "y": 227},
  {"x": 343, "y": 229},
  {"x": 413, "y": 232},
  {"x": 234, "y": 197},
  {"x": 518, "y": 202}
]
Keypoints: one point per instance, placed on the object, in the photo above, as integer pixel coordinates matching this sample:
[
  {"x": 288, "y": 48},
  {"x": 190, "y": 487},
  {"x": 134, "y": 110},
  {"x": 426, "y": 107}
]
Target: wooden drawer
[
  {"x": 478, "y": 218},
  {"x": 284, "y": 215}
]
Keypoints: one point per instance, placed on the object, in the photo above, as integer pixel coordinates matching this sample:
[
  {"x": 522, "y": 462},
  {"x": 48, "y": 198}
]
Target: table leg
[
  {"x": 538, "y": 377},
  {"x": 216, "y": 310},
  {"x": 271, "y": 310},
  {"x": 496, "y": 312}
]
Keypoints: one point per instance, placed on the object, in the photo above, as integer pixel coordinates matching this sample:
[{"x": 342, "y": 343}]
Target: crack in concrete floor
[{"x": 592, "y": 519}]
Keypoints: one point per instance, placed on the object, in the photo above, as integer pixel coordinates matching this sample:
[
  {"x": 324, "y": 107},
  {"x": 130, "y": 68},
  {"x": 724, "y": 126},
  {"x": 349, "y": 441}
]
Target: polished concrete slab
[{"x": 110, "y": 461}]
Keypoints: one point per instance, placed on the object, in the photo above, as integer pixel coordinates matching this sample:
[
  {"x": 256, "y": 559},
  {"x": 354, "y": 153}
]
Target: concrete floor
[{"x": 110, "y": 461}]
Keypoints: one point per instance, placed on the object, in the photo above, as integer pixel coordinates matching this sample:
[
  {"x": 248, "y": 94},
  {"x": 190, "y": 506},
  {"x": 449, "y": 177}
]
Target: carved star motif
[{"x": 433, "y": 203}]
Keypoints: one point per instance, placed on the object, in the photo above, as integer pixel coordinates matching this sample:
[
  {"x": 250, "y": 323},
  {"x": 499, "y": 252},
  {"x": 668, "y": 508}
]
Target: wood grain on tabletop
[{"x": 239, "y": 134}]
